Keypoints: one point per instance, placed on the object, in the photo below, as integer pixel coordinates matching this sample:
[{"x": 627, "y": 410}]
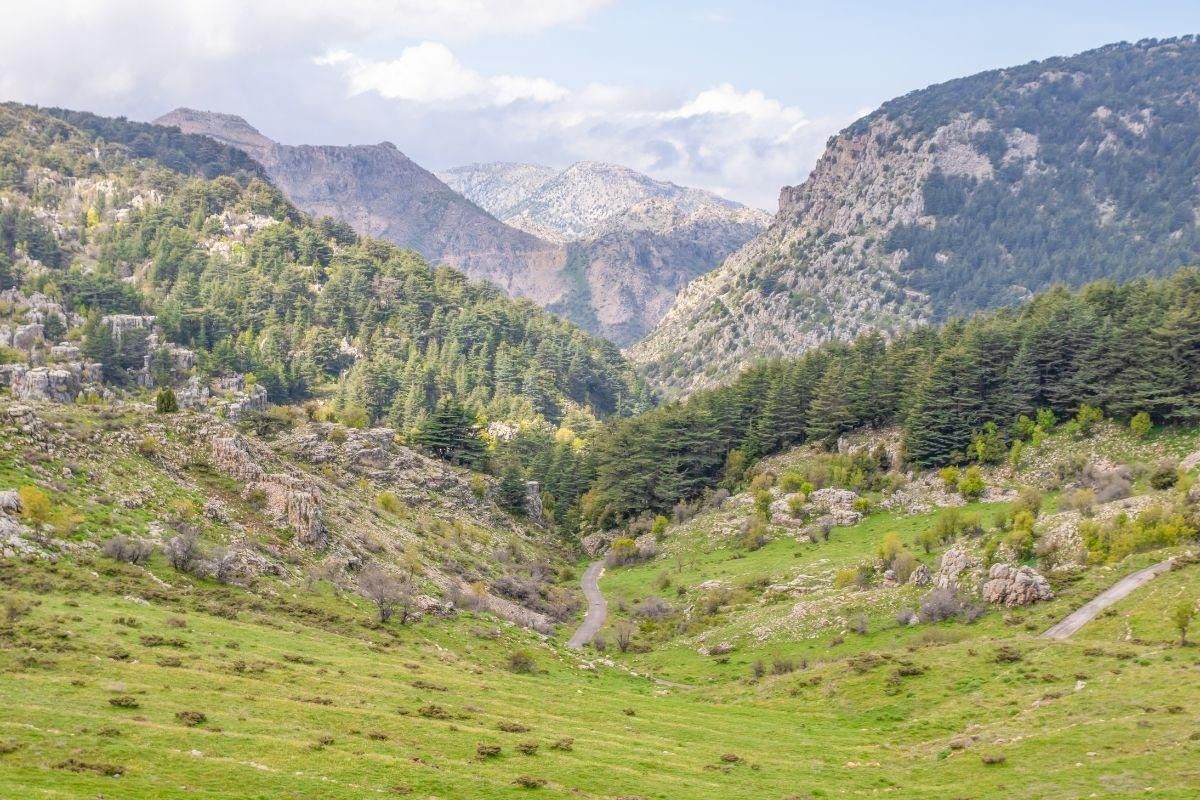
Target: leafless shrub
[
  {"x": 184, "y": 552},
  {"x": 943, "y": 604},
  {"x": 624, "y": 635},
  {"x": 653, "y": 608},
  {"x": 131, "y": 551},
  {"x": 389, "y": 594}
]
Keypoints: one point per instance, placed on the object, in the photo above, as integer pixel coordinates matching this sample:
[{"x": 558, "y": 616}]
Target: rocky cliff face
[
  {"x": 966, "y": 195},
  {"x": 383, "y": 193},
  {"x": 632, "y": 241}
]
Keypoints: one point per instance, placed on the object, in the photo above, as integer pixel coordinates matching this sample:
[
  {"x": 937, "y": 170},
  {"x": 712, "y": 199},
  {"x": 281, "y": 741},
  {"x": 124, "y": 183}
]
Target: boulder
[
  {"x": 955, "y": 561},
  {"x": 26, "y": 336},
  {"x": 920, "y": 576},
  {"x": 1015, "y": 586},
  {"x": 10, "y": 501}
]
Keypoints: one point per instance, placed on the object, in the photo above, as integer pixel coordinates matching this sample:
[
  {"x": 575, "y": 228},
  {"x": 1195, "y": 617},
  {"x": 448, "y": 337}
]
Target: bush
[
  {"x": 565, "y": 744},
  {"x": 522, "y": 663},
  {"x": 1028, "y": 499},
  {"x": 755, "y": 535},
  {"x": 1164, "y": 476},
  {"x": 130, "y": 551},
  {"x": 165, "y": 402},
  {"x": 487, "y": 750},
  {"x": 388, "y": 501},
  {"x": 1087, "y": 419},
  {"x": 762, "y": 504},
  {"x": 653, "y": 608},
  {"x": 949, "y": 476},
  {"x": 903, "y": 565},
  {"x": 183, "y": 551},
  {"x": 528, "y": 748},
  {"x": 790, "y": 482},
  {"x": 123, "y": 701},
  {"x": 1141, "y": 425},
  {"x": 389, "y": 593},
  {"x": 971, "y": 485},
  {"x": 795, "y": 505},
  {"x": 148, "y": 446},
  {"x": 624, "y": 635},
  {"x": 905, "y": 616},
  {"x": 889, "y": 548},
  {"x": 943, "y": 604},
  {"x": 529, "y": 782},
  {"x": 35, "y": 504},
  {"x": 622, "y": 551},
  {"x": 191, "y": 718},
  {"x": 659, "y": 528}
]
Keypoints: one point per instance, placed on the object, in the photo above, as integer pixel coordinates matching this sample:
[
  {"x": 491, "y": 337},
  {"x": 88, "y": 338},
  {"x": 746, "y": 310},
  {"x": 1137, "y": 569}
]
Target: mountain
[
  {"x": 966, "y": 195},
  {"x": 382, "y": 193},
  {"x": 632, "y": 241}
]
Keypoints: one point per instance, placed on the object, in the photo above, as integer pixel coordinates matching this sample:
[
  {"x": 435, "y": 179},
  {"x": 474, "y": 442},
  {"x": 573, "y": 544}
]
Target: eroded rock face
[
  {"x": 254, "y": 401},
  {"x": 955, "y": 562},
  {"x": 45, "y": 384},
  {"x": 1015, "y": 586},
  {"x": 294, "y": 502}
]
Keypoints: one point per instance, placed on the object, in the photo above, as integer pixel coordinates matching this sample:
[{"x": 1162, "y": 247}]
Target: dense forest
[
  {"x": 370, "y": 332},
  {"x": 971, "y": 390},
  {"x": 1108, "y": 192}
]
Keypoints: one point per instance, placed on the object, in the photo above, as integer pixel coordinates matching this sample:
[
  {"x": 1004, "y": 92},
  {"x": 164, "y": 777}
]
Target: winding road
[
  {"x": 597, "y": 610},
  {"x": 1118, "y": 591}
]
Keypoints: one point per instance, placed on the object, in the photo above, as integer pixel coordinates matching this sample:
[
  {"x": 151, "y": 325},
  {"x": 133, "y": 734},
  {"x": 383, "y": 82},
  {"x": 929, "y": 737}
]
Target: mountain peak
[{"x": 228, "y": 128}]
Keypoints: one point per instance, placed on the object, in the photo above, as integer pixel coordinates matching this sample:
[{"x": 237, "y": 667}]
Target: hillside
[
  {"x": 616, "y": 282},
  {"x": 969, "y": 194},
  {"x": 382, "y": 193},
  {"x": 632, "y": 241}
]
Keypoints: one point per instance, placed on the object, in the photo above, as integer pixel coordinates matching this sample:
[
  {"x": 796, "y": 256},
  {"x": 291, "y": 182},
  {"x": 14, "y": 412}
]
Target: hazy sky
[{"x": 734, "y": 97}]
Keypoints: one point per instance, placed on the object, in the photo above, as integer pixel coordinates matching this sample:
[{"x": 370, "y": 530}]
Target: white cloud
[
  {"x": 430, "y": 73},
  {"x": 742, "y": 144}
]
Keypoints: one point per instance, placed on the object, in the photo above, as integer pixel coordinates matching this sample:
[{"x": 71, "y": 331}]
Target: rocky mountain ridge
[
  {"x": 610, "y": 259},
  {"x": 967, "y": 195}
]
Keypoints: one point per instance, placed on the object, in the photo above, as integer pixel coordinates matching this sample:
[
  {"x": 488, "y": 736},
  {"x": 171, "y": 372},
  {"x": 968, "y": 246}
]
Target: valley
[{"x": 323, "y": 475}]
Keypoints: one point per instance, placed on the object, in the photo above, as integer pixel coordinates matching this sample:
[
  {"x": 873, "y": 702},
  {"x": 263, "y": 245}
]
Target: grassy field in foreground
[{"x": 303, "y": 696}]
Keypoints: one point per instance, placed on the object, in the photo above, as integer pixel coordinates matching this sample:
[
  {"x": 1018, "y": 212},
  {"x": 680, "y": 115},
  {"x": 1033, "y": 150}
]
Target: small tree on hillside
[
  {"x": 389, "y": 594},
  {"x": 1141, "y": 424},
  {"x": 1181, "y": 618},
  {"x": 165, "y": 402}
]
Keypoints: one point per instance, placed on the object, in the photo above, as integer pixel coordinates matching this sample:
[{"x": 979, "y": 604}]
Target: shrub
[
  {"x": 183, "y": 551},
  {"x": 1082, "y": 500},
  {"x": 1141, "y": 425},
  {"x": 388, "y": 501},
  {"x": 148, "y": 446},
  {"x": 762, "y": 481},
  {"x": 165, "y": 402},
  {"x": 123, "y": 701},
  {"x": 1088, "y": 418},
  {"x": 1028, "y": 499},
  {"x": 949, "y": 476},
  {"x": 191, "y": 718},
  {"x": 622, "y": 551},
  {"x": 389, "y": 593},
  {"x": 943, "y": 604},
  {"x": 903, "y": 565},
  {"x": 795, "y": 505},
  {"x": 905, "y": 616},
  {"x": 565, "y": 744},
  {"x": 758, "y": 669},
  {"x": 659, "y": 527},
  {"x": 781, "y": 665},
  {"x": 522, "y": 663},
  {"x": 624, "y": 635},
  {"x": 1164, "y": 476},
  {"x": 971, "y": 484},
  {"x": 512, "y": 727},
  {"x": 755, "y": 535},
  {"x": 528, "y": 748},
  {"x": 529, "y": 782},
  {"x": 131, "y": 551},
  {"x": 762, "y": 504},
  {"x": 859, "y": 624},
  {"x": 653, "y": 608},
  {"x": 35, "y": 504},
  {"x": 889, "y": 548},
  {"x": 791, "y": 481},
  {"x": 1181, "y": 618},
  {"x": 487, "y": 750}
]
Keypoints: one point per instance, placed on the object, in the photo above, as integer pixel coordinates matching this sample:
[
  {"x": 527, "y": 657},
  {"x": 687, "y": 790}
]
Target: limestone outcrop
[{"x": 1015, "y": 586}]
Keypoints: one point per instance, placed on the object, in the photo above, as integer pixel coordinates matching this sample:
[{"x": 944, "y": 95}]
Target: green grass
[{"x": 291, "y": 670}]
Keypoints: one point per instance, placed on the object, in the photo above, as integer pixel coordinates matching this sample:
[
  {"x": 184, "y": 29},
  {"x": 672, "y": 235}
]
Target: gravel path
[
  {"x": 597, "y": 607},
  {"x": 1118, "y": 591}
]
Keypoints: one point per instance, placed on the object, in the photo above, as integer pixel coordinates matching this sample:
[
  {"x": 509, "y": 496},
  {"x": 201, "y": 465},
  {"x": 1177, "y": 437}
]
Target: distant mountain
[
  {"x": 966, "y": 195},
  {"x": 632, "y": 241},
  {"x": 383, "y": 193}
]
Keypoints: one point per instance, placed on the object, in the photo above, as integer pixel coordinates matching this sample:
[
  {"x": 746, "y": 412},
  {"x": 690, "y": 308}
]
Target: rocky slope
[
  {"x": 969, "y": 194},
  {"x": 632, "y": 241},
  {"x": 383, "y": 193}
]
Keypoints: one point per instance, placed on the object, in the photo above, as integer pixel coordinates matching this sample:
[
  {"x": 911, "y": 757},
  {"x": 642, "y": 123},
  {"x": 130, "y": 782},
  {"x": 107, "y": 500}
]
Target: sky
[{"x": 735, "y": 97}]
